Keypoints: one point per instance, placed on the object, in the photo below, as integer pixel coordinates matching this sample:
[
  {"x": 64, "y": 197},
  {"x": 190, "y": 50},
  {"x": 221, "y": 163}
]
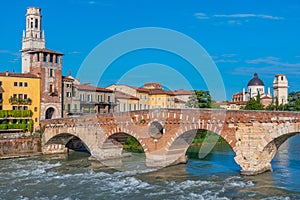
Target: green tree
[
  {"x": 253, "y": 104},
  {"x": 200, "y": 99}
]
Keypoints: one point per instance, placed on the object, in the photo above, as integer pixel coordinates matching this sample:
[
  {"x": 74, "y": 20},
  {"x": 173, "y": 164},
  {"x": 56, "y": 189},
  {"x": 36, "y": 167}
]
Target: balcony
[{"x": 13, "y": 101}]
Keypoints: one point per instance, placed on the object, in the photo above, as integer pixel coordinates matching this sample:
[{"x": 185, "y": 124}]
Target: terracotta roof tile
[
  {"x": 27, "y": 75},
  {"x": 44, "y": 51},
  {"x": 91, "y": 88},
  {"x": 182, "y": 92},
  {"x": 122, "y": 95}
]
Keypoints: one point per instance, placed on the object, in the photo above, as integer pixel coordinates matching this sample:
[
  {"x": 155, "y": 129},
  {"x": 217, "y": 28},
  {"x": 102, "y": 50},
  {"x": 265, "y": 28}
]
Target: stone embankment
[{"x": 13, "y": 145}]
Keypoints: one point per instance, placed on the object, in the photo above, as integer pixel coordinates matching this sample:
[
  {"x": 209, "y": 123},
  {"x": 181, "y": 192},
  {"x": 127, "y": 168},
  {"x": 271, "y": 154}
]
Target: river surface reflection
[{"x": 216, "y": 176}]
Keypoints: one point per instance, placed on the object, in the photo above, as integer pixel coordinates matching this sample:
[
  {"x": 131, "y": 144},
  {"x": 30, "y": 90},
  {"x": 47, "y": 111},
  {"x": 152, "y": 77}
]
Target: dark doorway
[{"x": 49, "y": 113}]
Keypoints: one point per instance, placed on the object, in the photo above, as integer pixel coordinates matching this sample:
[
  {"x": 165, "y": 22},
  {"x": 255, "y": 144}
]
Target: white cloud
[
  {"x": 226, "y": 61},
  {"x": 74, "y": 52},
  {"x": 229, "y": 55},
  {"x": 272, "y": 61},
  {"x": 5, "y": 51},
  {"x": 262, "y": 16},
  {"x": 201, "y": 16}
]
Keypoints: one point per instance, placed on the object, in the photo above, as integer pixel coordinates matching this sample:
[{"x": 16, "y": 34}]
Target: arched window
[{"x": 36, "y": 23}]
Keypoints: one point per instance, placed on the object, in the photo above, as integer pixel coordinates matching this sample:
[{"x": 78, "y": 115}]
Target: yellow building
[
  {"x": 20, "y": 92},
  {"x": 158, "y": 97}
]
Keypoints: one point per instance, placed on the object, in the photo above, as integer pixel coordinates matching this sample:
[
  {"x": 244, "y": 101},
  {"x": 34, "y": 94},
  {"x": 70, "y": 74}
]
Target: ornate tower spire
[{"x": 33, "y": 36}]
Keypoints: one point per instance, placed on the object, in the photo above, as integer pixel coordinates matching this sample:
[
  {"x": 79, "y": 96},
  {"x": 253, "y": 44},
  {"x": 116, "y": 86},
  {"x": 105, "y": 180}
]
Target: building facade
[
  {"x": 256, "y": 86},
  {"x": 20, "y": 92}
]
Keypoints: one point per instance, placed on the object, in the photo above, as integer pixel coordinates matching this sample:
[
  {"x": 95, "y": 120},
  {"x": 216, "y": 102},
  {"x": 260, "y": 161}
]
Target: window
[
  {"x": 68, "y": 107},
  {"x": 38, "y": 57},
  {"x": 25, "y": 107},
  {"x": 75, "y": 107},
  {"x": 108, "y": 98},
  {"x": 89, "y": 97},
  {"x": 51, "y": 88},
  {"x": 145, "y": 106},
  {"x": 152, "y": 99},
  {"x": 20, "y": 84},
  {"x": 145, "y": 97},
  {"x": 20, "y": 96},
  {"x": 129, "y": 107},
  {"x": 51, "y": 58},
  {"x": 57, "y": 59},
  {"x": 158, "y": 98},
  {"x": 68, "y": 94},
  {"x": 0, "y": 83},
  {"x": 141, "y": 97},
  {"x": 36, "y": 23},
  {"x": 25, "y": 84},
  {"x": 134, "y": 106},
  {"x": 15, "y": 83},
  {"x": 15, "y": 107},
  {"x": 25, "y": 96},
  {"x": 36, "y": 119},
  {"x": 51, "y": 74},
  {"x": 35, "y": 109},
  {"x": 124, "y": 107},
  {"x": 141, "y": 106},
  {"x": 45, "y": 57}
]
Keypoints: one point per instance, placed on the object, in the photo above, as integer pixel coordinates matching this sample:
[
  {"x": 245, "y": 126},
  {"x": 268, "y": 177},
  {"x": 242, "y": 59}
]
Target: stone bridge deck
[{"x": 165, "y": 134}]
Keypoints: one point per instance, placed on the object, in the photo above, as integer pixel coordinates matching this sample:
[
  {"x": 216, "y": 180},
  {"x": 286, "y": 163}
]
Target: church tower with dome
[{"x": 255, "y": 86}]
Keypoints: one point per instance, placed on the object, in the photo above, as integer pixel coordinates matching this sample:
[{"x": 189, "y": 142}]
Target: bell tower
[
  {"x": 33, "y": 37},
  {"x": 46, "y": 63},
  {"x": 280, "y": 88}
]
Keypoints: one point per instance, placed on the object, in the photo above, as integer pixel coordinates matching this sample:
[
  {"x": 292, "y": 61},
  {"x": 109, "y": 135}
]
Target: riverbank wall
[{"x": 19, "y": 145}]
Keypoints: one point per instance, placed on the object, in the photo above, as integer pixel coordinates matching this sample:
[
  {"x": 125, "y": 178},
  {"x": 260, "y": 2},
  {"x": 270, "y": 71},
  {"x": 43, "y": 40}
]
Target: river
[{"x": 216, "y": 176}]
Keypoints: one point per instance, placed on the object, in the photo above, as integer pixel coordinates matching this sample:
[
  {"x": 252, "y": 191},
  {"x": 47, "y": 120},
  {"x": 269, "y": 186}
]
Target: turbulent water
[{"x": 217, "y": 176}]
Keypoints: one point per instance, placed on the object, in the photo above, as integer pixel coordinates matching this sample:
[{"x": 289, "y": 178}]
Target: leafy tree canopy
[{"x": 200, "y": 99}]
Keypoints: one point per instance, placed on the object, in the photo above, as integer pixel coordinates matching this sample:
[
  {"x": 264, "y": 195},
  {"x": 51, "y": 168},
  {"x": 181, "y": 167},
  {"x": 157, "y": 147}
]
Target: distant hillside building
[{"x": 256, "y": 86}]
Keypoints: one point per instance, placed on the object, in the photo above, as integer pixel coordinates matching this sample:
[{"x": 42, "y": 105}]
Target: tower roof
[{"x": 255, "y": 81}]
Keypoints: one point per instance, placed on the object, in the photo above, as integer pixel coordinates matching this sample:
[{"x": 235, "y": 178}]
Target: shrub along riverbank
[{"x": 132, "y": 145}]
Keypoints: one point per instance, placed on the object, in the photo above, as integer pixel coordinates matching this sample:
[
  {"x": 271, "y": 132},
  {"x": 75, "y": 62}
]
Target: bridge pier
[{"x": 54, "y": 149}]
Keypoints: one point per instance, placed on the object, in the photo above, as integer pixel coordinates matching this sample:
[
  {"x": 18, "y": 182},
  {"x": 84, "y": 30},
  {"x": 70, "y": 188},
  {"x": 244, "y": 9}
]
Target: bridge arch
[
  {"x": 183, "y": 141},
  {"x": 63, "y": 141},
  {"x": 117, "y": 139},
  {"x": 271, "y": 148}
]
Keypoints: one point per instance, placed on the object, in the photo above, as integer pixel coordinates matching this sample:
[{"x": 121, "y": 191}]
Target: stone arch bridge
[{"x": 165, "y": 134}]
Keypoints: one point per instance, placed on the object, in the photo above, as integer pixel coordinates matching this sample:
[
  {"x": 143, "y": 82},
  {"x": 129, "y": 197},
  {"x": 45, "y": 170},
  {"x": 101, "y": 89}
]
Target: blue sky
[{"x": 242, "y": 37}]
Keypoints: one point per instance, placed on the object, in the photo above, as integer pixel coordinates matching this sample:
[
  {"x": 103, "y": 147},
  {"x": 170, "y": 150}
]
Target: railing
[{"x": 13, "y": 100}]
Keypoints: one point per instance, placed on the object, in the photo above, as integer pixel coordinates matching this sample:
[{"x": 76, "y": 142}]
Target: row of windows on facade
[
  {"x": 20, "y": 96},
  {"x": 20, "y": 84},
  {"x": 48, "y": 57},
  {"x": 23, "y": 108},
  {"x": 133, "y": 107},
  {"x": 145, "y": 97},
  {"x": 89, "y": 97}
]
